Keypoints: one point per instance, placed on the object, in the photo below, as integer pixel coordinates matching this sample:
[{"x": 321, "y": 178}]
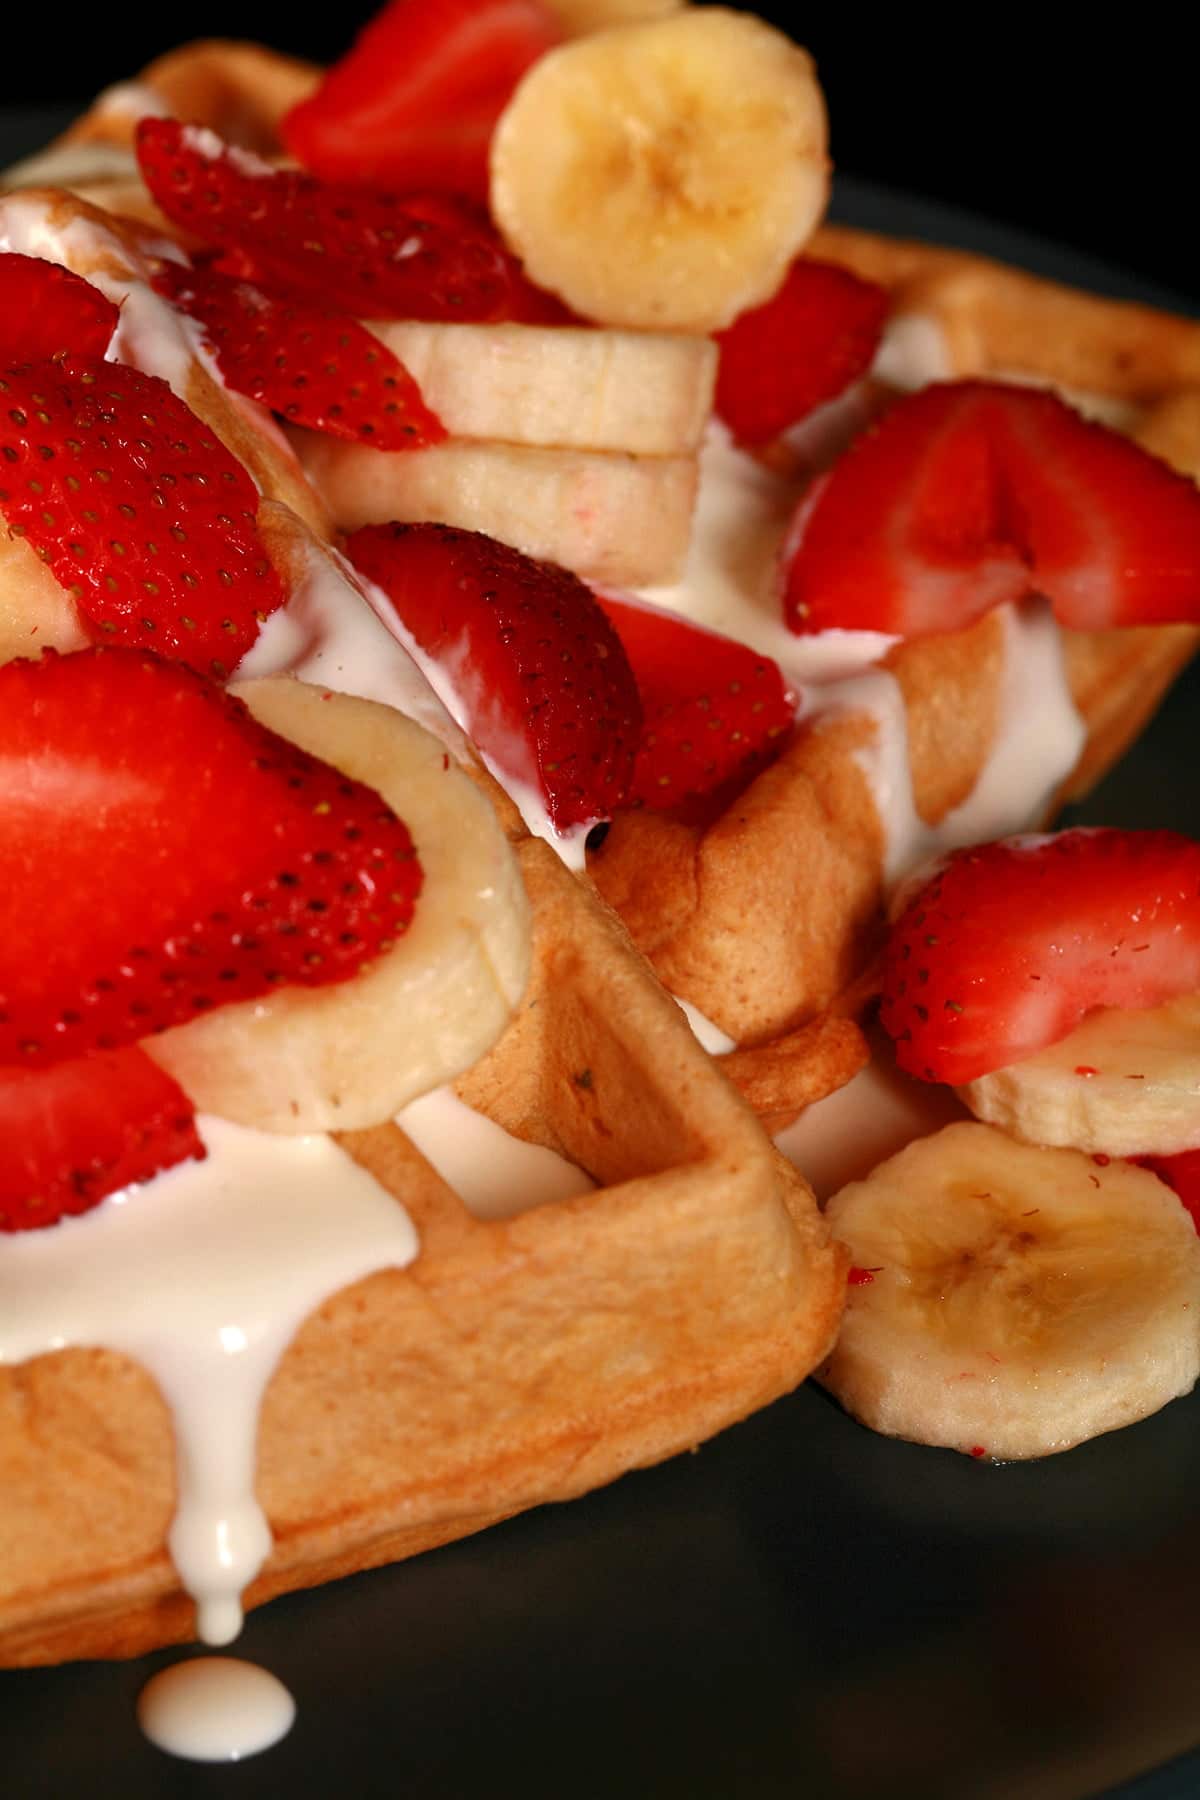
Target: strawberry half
[
  {"x": 363, "y": 252},
  {"x": 1010, "y": 944},
  {"x": 970, "y": 494},
  {"x": 542, "y": 682},
  {"x": 139, "y": 510},
  {"x": 164, "y": 854},
  {"x": 1182, "y": 1173},
  {"x": 49, "y": 311},
  {"x": 414, "y": 101},
  {"x": 782, "y": 360},
  {"x": 315, "y": 367},
  {"x": 71, "y": 1134},
  {"x": 713, "y": 710}
]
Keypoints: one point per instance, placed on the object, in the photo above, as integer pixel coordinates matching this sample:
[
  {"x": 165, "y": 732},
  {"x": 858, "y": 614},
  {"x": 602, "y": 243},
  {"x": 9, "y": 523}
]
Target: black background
[{"x": 1079, "y": 133}]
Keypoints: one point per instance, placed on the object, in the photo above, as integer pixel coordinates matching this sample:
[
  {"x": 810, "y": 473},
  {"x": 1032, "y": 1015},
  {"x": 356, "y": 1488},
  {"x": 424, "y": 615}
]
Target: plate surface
[{"x": 798, "y": 1608}]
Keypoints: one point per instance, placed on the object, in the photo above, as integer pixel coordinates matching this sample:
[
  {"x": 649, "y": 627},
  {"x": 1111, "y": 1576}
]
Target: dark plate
[{"x": 800, "y": 1608}]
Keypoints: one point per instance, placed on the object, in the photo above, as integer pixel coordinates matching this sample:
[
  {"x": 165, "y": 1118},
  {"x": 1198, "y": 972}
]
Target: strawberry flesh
[
  {"x": 49, "y": 311},
  {"x": 1182, "y": 1173},
  {"x": 313, "y": 366},
  {"x": 713, "y": 710},
  {"x": 543, "y": 684},
  {"x": 1010, "y": 944},
  {"x": 801, "y": 348},
  {"x": 165, "y": 854},
  {"x": 141, "y": 513},
  {"x": 76, "y": 1132},
  {"x": 414, "y": 101},
  {"x": 970, "y": 494},
  {"x": 374, "y": 255}
]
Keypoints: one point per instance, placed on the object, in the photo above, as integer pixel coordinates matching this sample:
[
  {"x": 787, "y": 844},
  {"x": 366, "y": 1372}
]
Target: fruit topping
[
  {"x": 970, "y": 494},
  {"x": 140, "y": 512},
  {"x": 165, "y": 854},
  {"x": 664, "y": 173},
  {"x": 1010, "y": 944},
  {"x": 537, "y": 670},
  {"x": 313, "y": 366},
  {"x": 73, "y": 1133},
  {"x": 1182, "y": 1173},
  {"x": 1024, "y": 1298},
  {"x": 48, "y": 311},
  {"x": 372, "y": 254},
  {"x": 781, "y": 360},
  {"x": 414, "y": 101},
  {"x": 713, "y": 710}
]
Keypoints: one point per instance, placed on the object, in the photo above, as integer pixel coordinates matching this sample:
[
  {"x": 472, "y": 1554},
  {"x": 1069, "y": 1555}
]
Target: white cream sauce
[
  {"x": 495, "y": 1174},
  {"x": 215, "y": 1709},
  {"x": 203, "y": 1276},
  {"x": 845, "y": 1136}
]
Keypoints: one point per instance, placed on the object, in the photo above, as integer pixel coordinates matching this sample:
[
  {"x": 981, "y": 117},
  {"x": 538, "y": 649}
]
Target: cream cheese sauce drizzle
[
  {"x": 203, "y": 1276},
  {"x": 495, "y": 1174},
  {"x": 330, "y": 633}
]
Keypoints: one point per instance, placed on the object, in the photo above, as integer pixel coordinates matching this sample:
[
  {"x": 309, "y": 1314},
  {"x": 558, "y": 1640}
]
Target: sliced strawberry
[
  {"x": 1010, "y": 944},
  {"x": 713, "y": 710},
  {"x": 139, "y": 510},
  {"x": 73, "y": 1133},
  {"x": 970, "y": 494},
  {"x": 542, "y": 682},
  {"x": 315, "y": 367},
  {"x": 525, "y": 304},
  {"x": 783, "y": 359},
  {"x": 1181, "y": 1172},
  {"x": 361, "y": 251},
  {"x": 414, "y": 101},
  {"x": 165, "y": 854},
  {"x": 48, "y": 311}
]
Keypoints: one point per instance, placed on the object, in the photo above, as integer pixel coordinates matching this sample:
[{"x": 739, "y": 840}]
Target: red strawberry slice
[
  {"x": 970, "y": 494},
  {"x": 73, "y": 1133},
  {"x": 542, "y": 682},
  {"x": 165, "y": 854},
  {"x": 364, "y": 252},
  {"x": 315, "y": 367},
  {"x": 414, "y": 101},
  {"x": 1010, "y": 944},
  {"x": 48, "y": 311},
  {"x": 1181, "y": 1172},
  {"x": 139, "y": 510},
  {"x": 805, "y": 346},
  {"x": 713, "y": 710}
]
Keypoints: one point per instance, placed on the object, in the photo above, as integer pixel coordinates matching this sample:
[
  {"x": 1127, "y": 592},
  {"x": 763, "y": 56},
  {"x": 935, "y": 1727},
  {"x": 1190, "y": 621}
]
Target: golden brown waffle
[{"x": 561, "y": 1348}]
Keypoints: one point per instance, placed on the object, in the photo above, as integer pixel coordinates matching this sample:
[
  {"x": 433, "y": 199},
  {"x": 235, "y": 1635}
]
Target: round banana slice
[
  {"x": 664, "y": 173},
  {"x": 347, "y": 1056},
  {"x": 1010, "y": 1301},
  {"x": 1126, "y": 1083}
]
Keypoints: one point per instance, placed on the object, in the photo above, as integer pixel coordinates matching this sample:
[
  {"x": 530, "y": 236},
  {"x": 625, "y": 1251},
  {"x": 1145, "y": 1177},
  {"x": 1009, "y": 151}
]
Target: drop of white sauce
[{"x": 215, "y": 1709}]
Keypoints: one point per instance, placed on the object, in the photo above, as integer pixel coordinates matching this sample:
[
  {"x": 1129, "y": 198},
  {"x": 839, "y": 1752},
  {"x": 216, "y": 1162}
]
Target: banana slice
[
  {"x": 344, "y": 1057},
  {"x": 664, "y": 174},
  {"x": 624, "y": 520},
  {"x": 1020, "y": 1300},
  {"x": 558, "y": 387},
  {"x": 578, "y": 16},
  {"x": 1125, "y": 1083},
  {"x": 36, "y": 611}
]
